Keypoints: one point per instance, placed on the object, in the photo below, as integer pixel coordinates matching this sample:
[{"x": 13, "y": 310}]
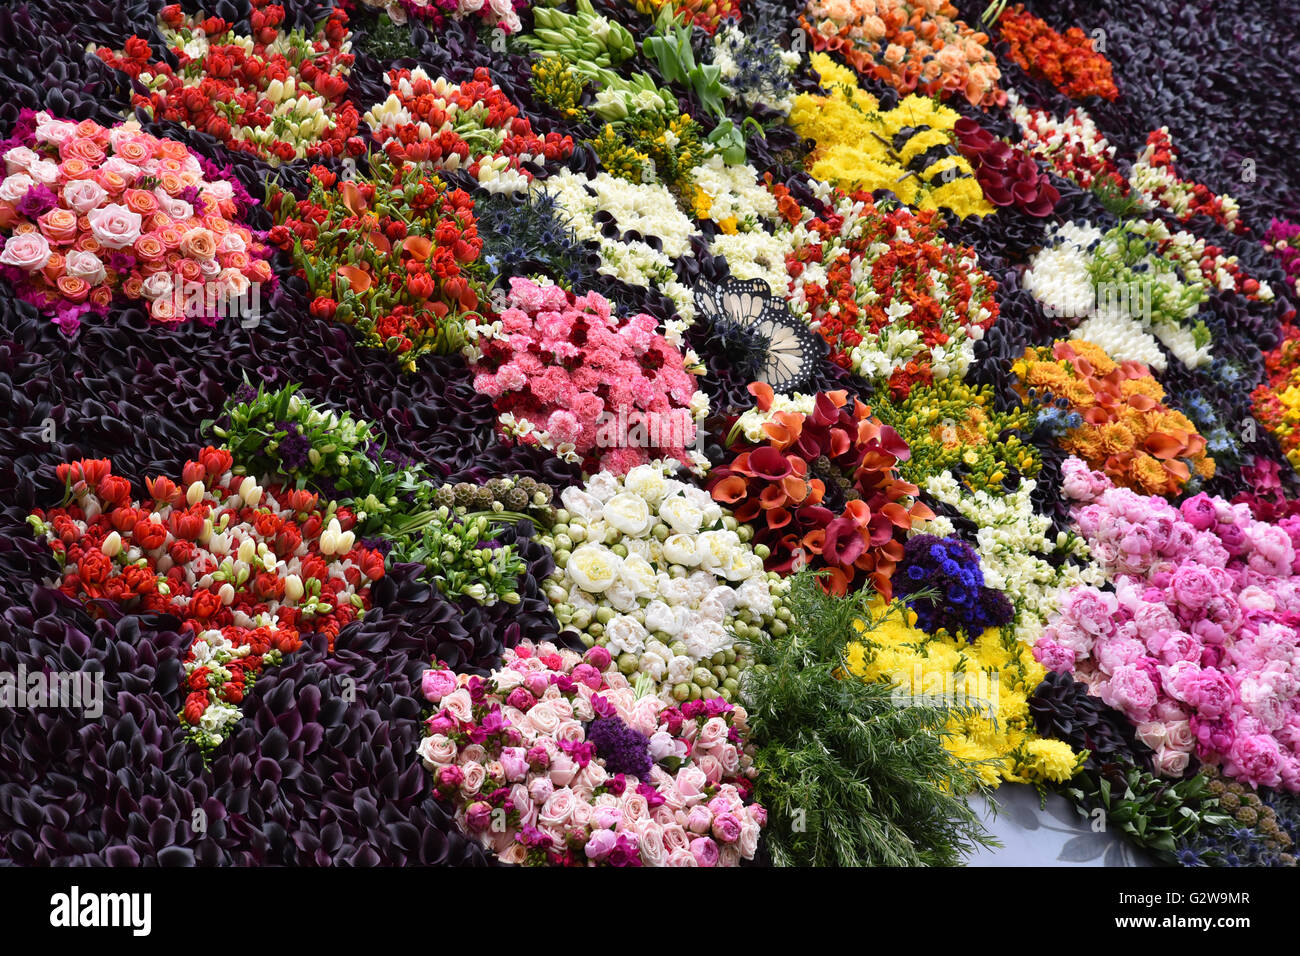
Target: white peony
[
  {"x": 594, "y": 568},
  {"x": 628, "y": 513}
]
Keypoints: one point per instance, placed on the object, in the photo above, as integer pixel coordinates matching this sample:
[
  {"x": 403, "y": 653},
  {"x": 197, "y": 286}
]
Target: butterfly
[{"x": 760, "y": 333}]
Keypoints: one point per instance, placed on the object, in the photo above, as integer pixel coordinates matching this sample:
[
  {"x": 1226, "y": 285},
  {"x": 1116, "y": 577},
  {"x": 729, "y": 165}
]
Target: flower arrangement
[
  {"x": 408, "y": 288},
  {"x": 500, "y": 15},
  {"x": 911, "y": 46},
  {"x": 392, "y": 499},
  {"x": 825, "y": 485},
  {"x": 909, "y": 150},
  {"x": 1128, "y": 293},
  {"x": 249, "y": 570},
  {"x": 1276, "y": 400},
  {"x": 556, "y": 760},
  {"x": 565, "y": 373},
  {"x": 1008, "y": 175},
  {"x": 1155, "y": 179},
  {"x": 953, "y": 427},
  {"x": 1019, "y": 554},
  {"x": 987, "y": 681},
  {"x": 707, "y": 16},
  {"x": 1073, "y": 146},
  {"x": 1283, "y": 240},
  {"x": 1126, "y": 430},
  {"x": 1069, "y": 60},
  {"x": 655, "y": 572},
  {"x": 638, "y": 229},
  {"x": 941, "y": 581},
  {"x": 754, "y": 69},
  {"x": 472, "y": 125},
  {"x": 278, "y": 94},
  {"x": 1194, "y": 645},
  {"x": 87, "y": 212},
  {"x": 897, "y": 303}
]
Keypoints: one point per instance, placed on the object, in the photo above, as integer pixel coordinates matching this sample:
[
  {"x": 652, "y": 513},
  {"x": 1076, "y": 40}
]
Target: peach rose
[
  {"x": 113, "y": 182},
  {"x": 151, "y": 248},
  {"x": 138, "y": 200},
  {"x": 59, "y": 225},
  {"x": 199, "y": 244},
  {"x": 73, "y": 289},
  {"x": 133, "y": 151},
  {"x": 54, "y": 267},
  {"x": 101, "y": 296},
  {"x": 132, "y": 286},
  {"x": 163, "y": 310},
  {"x": 89, "y": 129},
  {"x": 74, "y": 168},
  {"x": 86, "y": 150},
  {"x": 171, "y": 149},
  {"x": 190, "y": 271}
]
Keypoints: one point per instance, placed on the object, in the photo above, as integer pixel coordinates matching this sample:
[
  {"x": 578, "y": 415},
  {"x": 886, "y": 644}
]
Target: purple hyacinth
[{"x": 624, "y": 749}]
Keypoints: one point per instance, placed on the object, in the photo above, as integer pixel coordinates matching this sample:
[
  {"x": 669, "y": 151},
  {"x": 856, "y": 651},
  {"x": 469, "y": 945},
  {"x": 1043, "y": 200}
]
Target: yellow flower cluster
[
  {"x": 555, "y": 84},
  {"x": 990, "y": 678},
  {"x": 857, "y": 147}
]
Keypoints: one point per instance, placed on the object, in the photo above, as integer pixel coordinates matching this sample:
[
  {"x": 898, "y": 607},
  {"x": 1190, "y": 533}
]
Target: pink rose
[
  {"x": 475, "y": 775},
  {"x": 540, "y": 789},
  {"x": 682, "y": 857},
  {"x": 459, "y": 704},
  {"x": 635, "y": 806},
  {"x": 557, "y": 809},
  {"x": 675, "y": 837},
  {"x": 1152, "y": 734},
  {"x": 690, "y": 783},
  {"x": 562, "y": 769},
  {"x": 699, "y": 819},
  {"x": 650, "y": 839},
  {"x": 15, "y": 187},
  {"x": 437, "y": 751},
  {"x": 115, "y": 226},
  {"x": 726, "y": 828},
  {"x": 83, "y": 195},
  {"x": 606, "y": 817},
  {"x": 26, "y": 250}
]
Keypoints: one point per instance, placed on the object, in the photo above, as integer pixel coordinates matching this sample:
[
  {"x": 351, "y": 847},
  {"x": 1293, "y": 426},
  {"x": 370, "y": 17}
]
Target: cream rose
[
  {"x": 437, "y": 751},
  {"x": 84, "y": 265},
  {"x": 15, "y": 187}
]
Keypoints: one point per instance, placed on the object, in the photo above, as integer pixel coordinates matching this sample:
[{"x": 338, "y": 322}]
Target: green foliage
[
  {"x": 1153, "y": 813},
  {"x": 847, "y": 777}
]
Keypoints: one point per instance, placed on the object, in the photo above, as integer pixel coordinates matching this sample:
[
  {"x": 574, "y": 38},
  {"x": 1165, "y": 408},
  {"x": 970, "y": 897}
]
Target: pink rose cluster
[
  {"x": 565, "y": 373},
  {"x": 87, "y": 211},
  {"x": 512, "y": 752},
  {"x": 1198, "y": 644}
]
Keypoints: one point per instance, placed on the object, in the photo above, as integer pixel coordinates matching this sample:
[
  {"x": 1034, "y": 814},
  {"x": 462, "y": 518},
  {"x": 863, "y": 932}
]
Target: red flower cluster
[
  {"x": 1009, "y": 176},
  {"x": 239, "y": 565},
  {"x": 471, "y": 122},
  {"x": 1068, "y": 60},
  {"x": 239, "y": 96},
  {"x": 823, "y": 491},
  {"x": 1160, "y": 154},
  {"x": 394, "y": 270}
]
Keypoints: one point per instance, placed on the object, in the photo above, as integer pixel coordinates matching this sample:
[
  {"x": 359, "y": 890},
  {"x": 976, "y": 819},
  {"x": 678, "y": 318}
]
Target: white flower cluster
[
  {"x": 647, "y": 209},
  {"x": 1013, "y": 545},
  {"x": 1069, "y": 140},
  {"x": 1122, "y": 338},
  {"x": 1159, "y": 186},
  {"x": 1058, "y": 274},
  {"x": 655, "y": 571}
]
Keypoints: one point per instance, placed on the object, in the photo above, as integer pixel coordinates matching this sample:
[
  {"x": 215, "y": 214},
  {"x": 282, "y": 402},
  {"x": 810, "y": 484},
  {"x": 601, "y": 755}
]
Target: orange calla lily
[{"x": 358, "y": 279}]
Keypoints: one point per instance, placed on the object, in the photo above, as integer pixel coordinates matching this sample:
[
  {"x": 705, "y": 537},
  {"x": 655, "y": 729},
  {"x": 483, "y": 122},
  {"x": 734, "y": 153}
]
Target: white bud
[
  {"x": 112, "y": 545},
  {"x": 293, "y": 589},
  {"x": 227, "y": 593},
  {"x": 194, "y": 493},
  {"x": 247, "y": 551}
]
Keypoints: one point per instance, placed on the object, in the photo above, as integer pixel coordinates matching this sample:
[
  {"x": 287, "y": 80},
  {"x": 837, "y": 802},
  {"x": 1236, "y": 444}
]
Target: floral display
[
  {"x": 822, "y": 489},
  {"x": 409, "y": 291},
  {"x": 1069, "y": 61},
  {"x": 654, "y": 571},
  {"x": 88, "y": 212},
  {"x": 567, "y": 374},
  {"x": 1277, "y": 399},
  {"x": 471, "y": 125},
  {"x": 1123, "y": 426},
  {"x": 911, "y": 46},
  {"x": 909, "y": 150},
  {"x": 1193, "y": 644},
  {"x": 989, "y": 680},
  {"x": 896, "y": 302},
  {"x": 249, "y": 570},
  {"x": 499, "y": 433},
  {"x": 583, "y": 771},
  {"x": 265, "y": 93},
  {"x": 1009, "y": 177}
]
